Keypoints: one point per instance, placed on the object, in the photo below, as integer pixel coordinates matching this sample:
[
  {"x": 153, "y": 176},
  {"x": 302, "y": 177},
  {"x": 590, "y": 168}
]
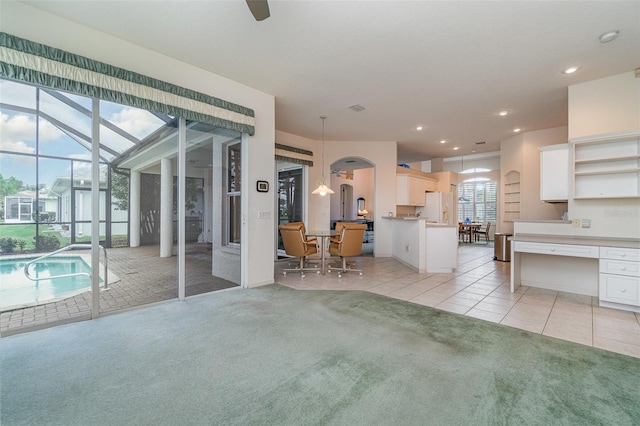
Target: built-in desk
[{"x": 606, "y": 268}]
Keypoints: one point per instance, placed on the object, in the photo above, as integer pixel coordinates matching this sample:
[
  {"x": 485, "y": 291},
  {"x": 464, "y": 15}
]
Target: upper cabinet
[
  {"x": 554, "y": 173},
  {"x": 410, "y": 191},
  {"x": 606, "y": 166},
  {"x": 411, "y": 186}
]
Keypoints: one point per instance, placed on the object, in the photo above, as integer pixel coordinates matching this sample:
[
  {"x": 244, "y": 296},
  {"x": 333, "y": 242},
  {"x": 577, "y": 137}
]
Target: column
[
  {"x": 166, "y": 207},
  {"x": 134, "y": 209}
]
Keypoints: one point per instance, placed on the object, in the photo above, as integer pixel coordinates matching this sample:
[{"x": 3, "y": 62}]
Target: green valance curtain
[
  {"x": 35, "y": 63},
  {"x": 292, "y": 154}
]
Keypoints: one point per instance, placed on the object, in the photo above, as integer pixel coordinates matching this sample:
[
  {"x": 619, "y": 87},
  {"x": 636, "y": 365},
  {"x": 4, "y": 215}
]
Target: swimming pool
[{"x": 17, "y": 291}]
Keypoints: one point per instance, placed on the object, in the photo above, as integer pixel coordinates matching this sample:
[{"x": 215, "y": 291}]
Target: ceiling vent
[
  {"x": 481, "y": 143},
  {"x": 357, "y": 108}
]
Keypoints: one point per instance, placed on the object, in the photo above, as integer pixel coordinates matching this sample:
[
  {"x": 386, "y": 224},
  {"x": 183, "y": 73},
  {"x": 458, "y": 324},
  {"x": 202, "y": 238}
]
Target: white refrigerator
[{"x": 439, "y": 208}]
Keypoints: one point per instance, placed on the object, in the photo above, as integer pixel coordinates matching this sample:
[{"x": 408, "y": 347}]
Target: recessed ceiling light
[
  {"x": 517, "y": 130},
  {"x": 418, "y": 128},
  {"x": 503, "y": 113},
  {"x": 455, "y": 148},
  {"x": 609, "y": 36},
  {"x": 443, "y": 141},
  {"x": 570, "y": 70}
]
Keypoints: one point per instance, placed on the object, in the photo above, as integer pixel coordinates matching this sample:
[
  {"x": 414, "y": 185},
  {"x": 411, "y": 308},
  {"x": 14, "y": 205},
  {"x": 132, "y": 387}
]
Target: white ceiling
[{"x": 448, "y": 65}]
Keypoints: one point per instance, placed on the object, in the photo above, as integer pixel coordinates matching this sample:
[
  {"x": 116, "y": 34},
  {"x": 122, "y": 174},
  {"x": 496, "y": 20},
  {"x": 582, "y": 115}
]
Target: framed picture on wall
[{"x": 262, "y": 186}]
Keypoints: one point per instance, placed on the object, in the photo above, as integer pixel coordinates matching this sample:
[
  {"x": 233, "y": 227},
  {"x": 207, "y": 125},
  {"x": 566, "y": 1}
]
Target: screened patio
[{"x": 127, "y": 173}]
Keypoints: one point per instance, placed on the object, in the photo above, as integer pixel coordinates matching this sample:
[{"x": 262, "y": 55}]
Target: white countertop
[
  {"x": 427, "y": 224},
  {"x": 586, "y": 241},
  {"x": 403, "y": 217},
  {"x": 542, "y": 221}
]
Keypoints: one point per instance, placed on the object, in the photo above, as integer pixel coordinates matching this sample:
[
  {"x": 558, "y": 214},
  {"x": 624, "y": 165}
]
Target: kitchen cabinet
[
  {"x": 411, "y": 186},
  {"x": 607, "y": 166},
  {"x": 554, "y": 173},
  {"x": 410, "y": 190},
  {"x": 620, "y": 278}
]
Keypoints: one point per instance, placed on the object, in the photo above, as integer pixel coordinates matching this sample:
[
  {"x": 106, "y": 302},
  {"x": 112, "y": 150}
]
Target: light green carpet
[{"x": 284, "y": 357}]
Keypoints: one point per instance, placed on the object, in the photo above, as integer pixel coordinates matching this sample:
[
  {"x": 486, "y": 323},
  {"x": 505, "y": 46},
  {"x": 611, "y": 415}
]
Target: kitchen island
[{"x": 423, "y": 246}]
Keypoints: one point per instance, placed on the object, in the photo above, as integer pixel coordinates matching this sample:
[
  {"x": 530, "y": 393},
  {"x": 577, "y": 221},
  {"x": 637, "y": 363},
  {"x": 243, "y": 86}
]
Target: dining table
[
  {"x": 471, "y": 227},
  {"x": 322, "y": 236}
]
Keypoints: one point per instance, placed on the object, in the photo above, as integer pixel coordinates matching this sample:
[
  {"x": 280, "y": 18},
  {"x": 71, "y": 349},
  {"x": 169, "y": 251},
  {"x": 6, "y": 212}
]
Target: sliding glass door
[
  {"x": 290, "y": 195},
  {"x": 158, "y": 193}
]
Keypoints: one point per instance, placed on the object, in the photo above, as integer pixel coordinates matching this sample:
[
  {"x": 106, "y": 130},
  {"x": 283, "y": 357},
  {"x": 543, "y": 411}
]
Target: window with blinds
[{"x": 477, "y": 201}]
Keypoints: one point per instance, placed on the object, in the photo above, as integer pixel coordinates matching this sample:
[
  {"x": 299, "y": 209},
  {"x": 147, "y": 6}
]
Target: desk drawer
[
  {"x": 608, "y": 266},
  {"x": 619, "y": 289},
  {"x": 558, "y": 249},
  {"x": 620, "y": 253}
]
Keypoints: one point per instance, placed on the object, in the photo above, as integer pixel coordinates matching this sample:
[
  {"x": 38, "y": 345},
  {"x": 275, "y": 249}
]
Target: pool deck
[{"x": 144, "y": 276}]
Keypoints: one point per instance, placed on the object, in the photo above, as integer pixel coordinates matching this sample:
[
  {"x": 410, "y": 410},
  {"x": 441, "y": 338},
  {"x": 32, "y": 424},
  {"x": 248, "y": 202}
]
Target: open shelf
[
  {"x": 607, "y": 166},
  {"x": 511, "y": 196}
]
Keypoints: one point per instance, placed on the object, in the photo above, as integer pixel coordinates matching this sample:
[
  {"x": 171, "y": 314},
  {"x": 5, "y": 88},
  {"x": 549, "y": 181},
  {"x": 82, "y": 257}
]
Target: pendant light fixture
[{"x": 322, "y": 188}]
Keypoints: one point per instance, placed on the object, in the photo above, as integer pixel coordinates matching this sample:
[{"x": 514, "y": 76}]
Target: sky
[{"x": 18, "y": 131}]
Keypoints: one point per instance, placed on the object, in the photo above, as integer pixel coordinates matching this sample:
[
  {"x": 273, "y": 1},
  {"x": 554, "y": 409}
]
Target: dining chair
[
  {"x": 297, "y": 245},
  {"x": 349, "y": 244},
  {"x": 483, "y": 230},
  {"x": 336, "y": 238},
  {"x": 463, "y": 231},
  {"x": 304, "y": 232}
]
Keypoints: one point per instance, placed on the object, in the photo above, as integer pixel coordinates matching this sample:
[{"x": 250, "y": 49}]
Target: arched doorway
[{"x": 355, "y": 178}]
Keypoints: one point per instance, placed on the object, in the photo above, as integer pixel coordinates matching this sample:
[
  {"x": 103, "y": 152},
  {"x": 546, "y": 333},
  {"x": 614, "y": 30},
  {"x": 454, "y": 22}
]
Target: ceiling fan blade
[{"x": 259, "y": 9}]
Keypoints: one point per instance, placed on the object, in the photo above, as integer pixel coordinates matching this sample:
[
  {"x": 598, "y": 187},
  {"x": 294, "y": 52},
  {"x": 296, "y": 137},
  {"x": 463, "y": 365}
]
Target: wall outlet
[
  {"x": 406, "y": 248},
  {"x": 575, "y": 223},
  {"x": 586, "y": 223}
]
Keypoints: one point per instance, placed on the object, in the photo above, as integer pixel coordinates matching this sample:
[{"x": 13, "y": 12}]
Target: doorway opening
[{"x": 290, "y": 197}]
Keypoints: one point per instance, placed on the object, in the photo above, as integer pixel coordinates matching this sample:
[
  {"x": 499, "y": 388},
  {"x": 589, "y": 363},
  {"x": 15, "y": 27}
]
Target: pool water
[{"x": 16, "y": 290}]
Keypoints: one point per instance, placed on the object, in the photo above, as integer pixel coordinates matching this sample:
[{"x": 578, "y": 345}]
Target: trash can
[{"x": 502, "y": 247}]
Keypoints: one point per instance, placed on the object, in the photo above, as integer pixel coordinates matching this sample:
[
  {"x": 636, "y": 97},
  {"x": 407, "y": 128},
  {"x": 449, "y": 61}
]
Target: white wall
[
  {"x": 606, "y": 105},
  {"x": 24, "y": 21},
  {"x": 521, "y": 153}
]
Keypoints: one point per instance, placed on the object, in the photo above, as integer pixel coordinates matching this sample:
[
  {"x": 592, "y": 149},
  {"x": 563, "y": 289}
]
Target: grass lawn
[{"x": 27, "y": 232}]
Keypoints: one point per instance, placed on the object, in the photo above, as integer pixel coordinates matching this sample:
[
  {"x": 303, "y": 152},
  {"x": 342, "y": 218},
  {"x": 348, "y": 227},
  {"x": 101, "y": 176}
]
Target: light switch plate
[{"x": 586, "y": 223}]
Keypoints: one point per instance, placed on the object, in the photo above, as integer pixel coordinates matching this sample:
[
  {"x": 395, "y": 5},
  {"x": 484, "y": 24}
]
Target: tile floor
[{"x": 480, "y": 288}]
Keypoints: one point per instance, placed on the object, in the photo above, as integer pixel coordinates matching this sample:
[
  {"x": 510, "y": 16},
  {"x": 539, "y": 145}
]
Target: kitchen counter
[
  {"x": 401, "y": 218},
  {"x": 424, "y": 247}
]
